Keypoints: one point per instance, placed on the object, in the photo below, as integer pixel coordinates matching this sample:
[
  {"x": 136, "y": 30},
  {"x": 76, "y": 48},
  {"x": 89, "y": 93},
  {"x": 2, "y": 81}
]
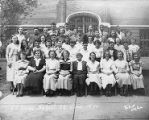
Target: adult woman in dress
[
  {"x": 122, "y": 75},
  {"x": 12, "y": 52},
  {"x": 21, "y": 73},
  {"x": 136, "y": 73},
  {"x": 50, "y": 78},
  {"x": 107, "y": 69},
  {"x": 36, "y": 67},
  {"x": 64, "y": 81},
  {"x": 93, "y": 80}
]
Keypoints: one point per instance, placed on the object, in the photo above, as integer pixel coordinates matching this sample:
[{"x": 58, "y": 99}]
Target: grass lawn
[{"x": 4, "y": 86}]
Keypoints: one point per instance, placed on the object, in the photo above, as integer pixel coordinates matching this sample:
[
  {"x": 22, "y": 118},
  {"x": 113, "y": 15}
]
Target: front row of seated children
[{"x": 64, "y": 77}]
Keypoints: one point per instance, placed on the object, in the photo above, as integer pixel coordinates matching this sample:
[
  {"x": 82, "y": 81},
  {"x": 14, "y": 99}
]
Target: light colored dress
[
  {"x": 21, "y": 71},
  {"x": 50, "y": 78},
  {"x": 93, "y": 77},
  {"x": 64, "y": 80},
  {"x": 107, "y": 66},
  {"x": 123, "y": 77},
  {"x": 12, "y": 52},
  {"x": 137, "y": 81}
]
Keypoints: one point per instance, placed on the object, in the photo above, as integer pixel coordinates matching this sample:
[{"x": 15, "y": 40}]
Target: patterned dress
[
  {"x": 12, "y": 52},
  {"x": 137, "y": 81},
  {"x": 123, "y": 77},
  {"x": 21, "y": 71},
  {"x": 64, "y": 80}
]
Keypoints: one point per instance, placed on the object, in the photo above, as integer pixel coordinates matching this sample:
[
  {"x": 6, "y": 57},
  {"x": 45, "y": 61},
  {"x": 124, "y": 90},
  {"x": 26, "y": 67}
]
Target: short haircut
[
  {"x": 90, "y": 55},
  {"x": 106, "y": 52},
  {"x": 79, "y": 54}
]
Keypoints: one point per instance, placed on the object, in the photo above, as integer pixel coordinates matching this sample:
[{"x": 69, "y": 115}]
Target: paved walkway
[{"x": 74, "y": 108}]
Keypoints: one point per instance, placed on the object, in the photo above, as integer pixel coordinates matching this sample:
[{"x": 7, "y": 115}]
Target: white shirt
[
  {"x": 79, "y": 65},
  {"x": 85, "y": 54},
  {"x": 93, "y": 66},
  {"x": 37, "y": 61},
  {"x": 79, "y": 46},
  {"x": 21, "y": 37},
  {"x": 98, "y": 52},
  {"x": 73, "y": 51},
  {"x": 119, "y": 47},
  {"x": 66, "y": 46},
  {"x": 90, "y": 47},
  {"x": 43, "y": 46}
]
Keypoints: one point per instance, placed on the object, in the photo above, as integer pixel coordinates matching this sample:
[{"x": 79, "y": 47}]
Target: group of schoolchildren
[{"x": 66, "y": 62}]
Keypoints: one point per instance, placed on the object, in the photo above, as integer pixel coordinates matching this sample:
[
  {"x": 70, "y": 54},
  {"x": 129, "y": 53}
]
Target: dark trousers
[{"x": 79, "y": 83}]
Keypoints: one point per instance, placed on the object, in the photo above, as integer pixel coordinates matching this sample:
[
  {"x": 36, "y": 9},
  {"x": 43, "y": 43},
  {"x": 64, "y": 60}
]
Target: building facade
[{"x": 130, "y": 15}]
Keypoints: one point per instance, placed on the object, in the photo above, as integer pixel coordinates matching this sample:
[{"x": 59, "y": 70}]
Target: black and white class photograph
[{"x": 74, "y": 59}]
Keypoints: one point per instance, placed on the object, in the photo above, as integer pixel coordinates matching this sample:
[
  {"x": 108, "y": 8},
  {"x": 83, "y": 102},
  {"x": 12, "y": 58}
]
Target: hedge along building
[{"x": 130, "y": 15}]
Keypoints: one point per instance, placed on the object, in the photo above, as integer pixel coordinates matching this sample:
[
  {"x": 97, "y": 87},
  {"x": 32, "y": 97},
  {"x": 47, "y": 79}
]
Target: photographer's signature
[{"x": 133, "y": 107}]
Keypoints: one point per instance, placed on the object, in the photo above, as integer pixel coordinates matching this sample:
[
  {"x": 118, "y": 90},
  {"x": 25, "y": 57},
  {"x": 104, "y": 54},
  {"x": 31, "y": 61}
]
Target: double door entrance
[{"x": 83, "y": 21}]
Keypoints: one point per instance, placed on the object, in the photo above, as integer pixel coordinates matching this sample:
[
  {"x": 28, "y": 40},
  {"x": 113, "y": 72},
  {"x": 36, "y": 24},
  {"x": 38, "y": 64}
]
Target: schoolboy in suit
[{"x": 79, "y": 71}]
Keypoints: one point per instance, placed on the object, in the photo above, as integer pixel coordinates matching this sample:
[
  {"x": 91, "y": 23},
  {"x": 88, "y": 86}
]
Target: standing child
[{"x": 79, "y": 70}]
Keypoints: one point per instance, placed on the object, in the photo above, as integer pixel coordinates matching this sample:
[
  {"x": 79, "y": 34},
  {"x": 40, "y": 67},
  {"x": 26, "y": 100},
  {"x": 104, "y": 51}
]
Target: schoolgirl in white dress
[
  {"x": 122, "y": 73},
  {"x": 50, "y": 78},
  {"x": 94, "y": 79},
  {"x": 107, "y": 69}
]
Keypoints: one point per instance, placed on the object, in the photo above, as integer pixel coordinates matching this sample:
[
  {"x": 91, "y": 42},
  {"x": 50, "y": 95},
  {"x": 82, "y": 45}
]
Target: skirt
[
  {"x": 137, "y": 82},
  {"x": 20, "y": 79},
  {"x": 34, "y": 80},
  {"x": 64, "y": 82},
  {"x": 50, "y": 82},
  {"x": 94, "y": 78},
  {"x": 123, "y": 79},
  {"x": 10, "y": 73},
  {"x": 107, "y": 79}
]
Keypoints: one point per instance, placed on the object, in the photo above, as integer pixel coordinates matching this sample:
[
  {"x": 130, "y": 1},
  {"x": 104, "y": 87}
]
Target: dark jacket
[{"x": 75, "y": 65}]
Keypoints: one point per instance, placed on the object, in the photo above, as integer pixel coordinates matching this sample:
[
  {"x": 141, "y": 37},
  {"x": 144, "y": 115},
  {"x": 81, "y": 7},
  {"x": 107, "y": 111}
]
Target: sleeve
[
  {"x": 44, "y": 62},
  {"x": 30, "y": 63}
]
